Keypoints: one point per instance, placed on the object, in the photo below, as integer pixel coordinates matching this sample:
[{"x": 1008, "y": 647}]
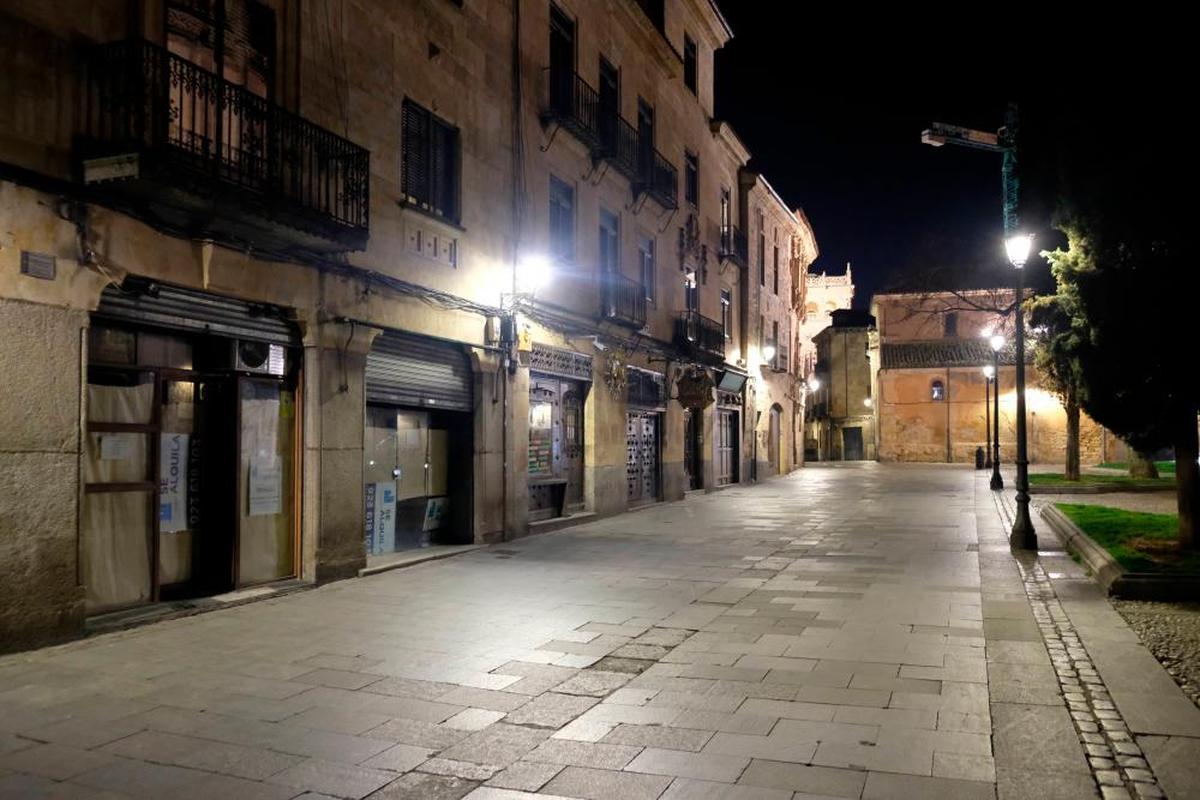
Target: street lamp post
[
  {"x": 989, "y": 372},
  {"x": 1023, "y": 535},
  {"x": 997, "y": 342}
]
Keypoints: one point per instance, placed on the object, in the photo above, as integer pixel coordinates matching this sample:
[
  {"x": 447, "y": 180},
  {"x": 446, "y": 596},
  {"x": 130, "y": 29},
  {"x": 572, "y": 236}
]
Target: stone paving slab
[{"x": 859, "y": 631}]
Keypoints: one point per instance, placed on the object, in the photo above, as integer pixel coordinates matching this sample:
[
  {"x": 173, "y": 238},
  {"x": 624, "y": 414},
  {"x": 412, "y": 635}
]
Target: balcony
[
  {"x": 575, "y": 105},
  {"x": 618, "y": 145},
  {"x": 658, "y": 178},
  {"x": 207, "y": 157},
  {"x": 734, "y": 245},
  {"x": 700, "y": 336},
  {"x": 623, "y": 300}
]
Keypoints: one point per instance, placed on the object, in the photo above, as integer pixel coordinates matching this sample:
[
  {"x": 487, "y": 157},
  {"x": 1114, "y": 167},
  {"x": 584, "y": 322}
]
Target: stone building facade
[
  {"x": 284, "y": 292},
  {"x": 841, "y": 416},
  {"x": 930, "y": 388},
  {"x": 824, "y": 294}
]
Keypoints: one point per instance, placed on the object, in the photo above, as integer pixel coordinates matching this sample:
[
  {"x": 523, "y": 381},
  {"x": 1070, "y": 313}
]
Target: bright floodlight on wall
[
  {"x": 768, "y": 352},
  {"x": 533, "y": 273},
  {"x": 814, "y": 384},
  {"x": 1018, "y": 248},
  {"x": 997, "y": 342},
  {"x": 989, "y": 372},
  {"x": 868, "y": 402}
]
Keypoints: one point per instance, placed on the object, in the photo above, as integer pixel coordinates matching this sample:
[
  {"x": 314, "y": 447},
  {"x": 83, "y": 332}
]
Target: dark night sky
[{"x": 832, "y": 111}]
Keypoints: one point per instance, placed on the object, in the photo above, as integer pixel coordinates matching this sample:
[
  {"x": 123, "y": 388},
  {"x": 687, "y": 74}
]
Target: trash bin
[{"x": 978, "y": 458}]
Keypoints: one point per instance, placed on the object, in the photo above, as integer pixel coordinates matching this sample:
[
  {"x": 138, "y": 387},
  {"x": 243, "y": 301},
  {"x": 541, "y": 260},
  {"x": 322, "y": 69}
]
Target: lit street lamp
[
  {"x": 997, "y": 343},
  {"x": 1023, "y": 535},
  {"x": 989, "y": 372}
]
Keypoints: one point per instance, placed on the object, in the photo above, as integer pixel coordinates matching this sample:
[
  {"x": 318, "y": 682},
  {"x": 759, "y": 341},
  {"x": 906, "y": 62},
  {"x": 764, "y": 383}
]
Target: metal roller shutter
[
  {"x": 408, "y": 370},
  {"x": 179, "y": 309}
]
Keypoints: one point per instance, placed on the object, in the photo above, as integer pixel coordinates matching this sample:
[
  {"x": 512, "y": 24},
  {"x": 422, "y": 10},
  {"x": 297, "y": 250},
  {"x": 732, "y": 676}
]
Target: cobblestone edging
[{"x": 1117, "y": 762}]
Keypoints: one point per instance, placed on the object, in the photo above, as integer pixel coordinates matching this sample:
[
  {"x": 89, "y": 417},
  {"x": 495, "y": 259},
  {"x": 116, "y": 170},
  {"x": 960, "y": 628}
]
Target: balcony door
[
  {"x": 645, "y": 129},
  {"x": 562, "y": 57},
  {"x": 610, "y": 103}
]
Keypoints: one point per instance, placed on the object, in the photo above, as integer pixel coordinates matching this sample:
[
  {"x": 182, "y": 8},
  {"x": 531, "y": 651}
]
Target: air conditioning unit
[{"x": 258, "y": 357}]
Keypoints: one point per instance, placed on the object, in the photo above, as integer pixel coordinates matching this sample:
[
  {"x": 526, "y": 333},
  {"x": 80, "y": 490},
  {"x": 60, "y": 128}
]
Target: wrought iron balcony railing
[
  {"x": 197, "y": 135},
  {"x": 698, "y": 334},
  {"x": 575, "y": 105},
  {"x": 619, "y": 145},
  {"x": 623, "y": 300},
  {"x": 658, "y": 177},
  {"x": 734, "y": 245}
]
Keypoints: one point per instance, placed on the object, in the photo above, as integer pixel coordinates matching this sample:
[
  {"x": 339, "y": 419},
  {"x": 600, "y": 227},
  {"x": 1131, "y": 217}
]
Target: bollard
[{"x": 978, "y": 458}]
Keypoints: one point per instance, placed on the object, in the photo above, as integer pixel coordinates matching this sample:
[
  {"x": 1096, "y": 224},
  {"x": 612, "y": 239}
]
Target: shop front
[
  {"x": 192, "y": 451},
  {"x": 418, "y": 444},
  {"x": 559, "y": 381}
]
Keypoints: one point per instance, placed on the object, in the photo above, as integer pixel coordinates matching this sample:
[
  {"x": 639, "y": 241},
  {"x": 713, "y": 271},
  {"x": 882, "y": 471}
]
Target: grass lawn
[
  {"x": 1140, "y": 542},
  {"x": 1164, "y": 467},
  {"x": 1056, "y": 479}
]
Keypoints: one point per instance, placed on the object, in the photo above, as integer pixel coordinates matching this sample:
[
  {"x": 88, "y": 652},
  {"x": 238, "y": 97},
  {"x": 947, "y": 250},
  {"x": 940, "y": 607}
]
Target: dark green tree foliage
[
  {"x": 1122, "y": 184},
  {"x": 1057, "y": 334}
]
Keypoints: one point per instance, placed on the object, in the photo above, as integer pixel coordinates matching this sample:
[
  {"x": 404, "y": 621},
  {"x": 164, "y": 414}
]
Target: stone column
[
  {"x": 335, "y": 356},
  {"x": 42, "y": 369}
]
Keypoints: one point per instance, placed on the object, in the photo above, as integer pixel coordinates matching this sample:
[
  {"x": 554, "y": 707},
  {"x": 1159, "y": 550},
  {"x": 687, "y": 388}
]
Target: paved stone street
[{"x": 852, "y": 632}]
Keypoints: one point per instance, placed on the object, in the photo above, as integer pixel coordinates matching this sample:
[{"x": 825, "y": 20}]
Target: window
[
  {"x": 810, "y": 309},
  {"x": 937, "y": 391},
  {"x": 726, "y": 221},
  {"x": 762, "y": 249},
  {"x": 234, "y": 38},
  {"x": 950, "y": 320},
  {"x": 727, "y": 313},
  {"x": 646, "y": 265},
  {"x": 692, "y": 178},
  {"x": 562, "y": 220},
  {"x": 610, "y": 237},
  {"x": 429, "y": 162},
  {"x": 689, "y": 63},
  {"x": 775, "y": 273},
  {"x": 691, "y": 297}
]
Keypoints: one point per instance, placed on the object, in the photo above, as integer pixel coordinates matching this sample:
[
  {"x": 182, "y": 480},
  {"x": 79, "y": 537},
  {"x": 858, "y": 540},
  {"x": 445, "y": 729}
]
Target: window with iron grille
[
  {"x": 762, "y": 249},
  {"x": 775, "y": 273},
  {"x": 689, "y": 63},
  {"x": 691, "y": 178},
  {"x": 951, "y": 324},
  {"x": 562, "y": 220},
  {"x": 429, "y": 162},
  {"x": 646, "y": 264},
  {"x": 727, "y": 313},
  {"x": 645, "y": 388}
]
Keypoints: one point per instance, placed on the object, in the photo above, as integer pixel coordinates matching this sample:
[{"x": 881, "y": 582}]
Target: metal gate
[
  {"x": 641, "y": 465},
  {"x": 407, "y": 370}
]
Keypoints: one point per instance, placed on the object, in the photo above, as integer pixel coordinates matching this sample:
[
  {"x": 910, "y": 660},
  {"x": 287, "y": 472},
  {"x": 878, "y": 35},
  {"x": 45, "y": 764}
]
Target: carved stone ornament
[{"x": 694, "y": 388}]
